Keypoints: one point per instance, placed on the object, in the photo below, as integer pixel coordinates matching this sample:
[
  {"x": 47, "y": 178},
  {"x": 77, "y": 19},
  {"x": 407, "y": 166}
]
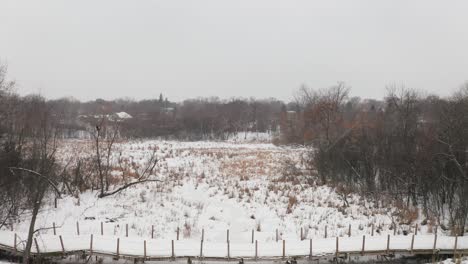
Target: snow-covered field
[{"x": 211, "y": 187}]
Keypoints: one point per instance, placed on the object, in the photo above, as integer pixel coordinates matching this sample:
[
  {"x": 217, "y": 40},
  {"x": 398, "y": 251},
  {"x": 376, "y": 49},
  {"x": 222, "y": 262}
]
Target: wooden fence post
[
  {"x": 126, "y": 230},
  {"x": 53, "y": 225},
  {"x": 178, "y": 231},
  {"x": 276, "y": 234},
  {"x": 326, "y": 227},
  {"x": 256, "y": 249},
  {"x": 37, "y": 245},
  {"x": 394, "y": 229},
  {"x": 201, "y": 248},
  {"x": 434, "y": 248},
  {"x": 302, "y": 234},
  {"x": 102, "y": 228},
  {"x": 416, "y": 229},
  {"x": 349, "y": 231},
  {"x": 173, "y": 255},
  {"x": 412, "y": 244},
  {"x": 455, "y": 248},
  {"x": 14, "y": 244},
  {"x": 77, "y": 228},
  {"x": 118, "y": 249},
  {"x": 388, "y": 243},
  {"x": 228, "y": 250},
  {"x": 253, "y": 235},
  {"x": 310, "y": 249},
  {"x": 227, "y": 236},
  {"x": 284, "y": 249},
  {"x": 203, "y": 234},
  {"x": 61, "y": 243},
  {"x": 91, "y": 245},
  {"x": 363, "y": 245},
  {"x": 337, "y": 247},
  {"x": 436, "y": 229},
  {"x": 55, "y": 202},
  {"x": 152, "y": 231},
  {"x": 144, "y": 249},
  {"x": 372, "y": 234}
]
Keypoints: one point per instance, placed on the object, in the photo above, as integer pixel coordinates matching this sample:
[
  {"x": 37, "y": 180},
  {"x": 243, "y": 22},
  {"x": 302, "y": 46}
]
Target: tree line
[
  {"x": 408, "y": 148},
  {"x": 193, "y": 119}
]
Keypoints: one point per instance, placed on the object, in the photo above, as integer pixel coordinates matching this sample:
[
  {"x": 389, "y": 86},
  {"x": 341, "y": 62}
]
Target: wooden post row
[
  {"x": 310, "y": 250},
  {"x": 363, "y": 245},
  {"x": 256, "y": 249},
  {"x": 455, "y": 248},
  {"x": 412, "y": 244},
  {"x": 201, "y": 248},
  {"x": 388, "y": 243},
  {"x": 337, "y": 247},
  {"x": 37, "y": 245},
  {"x": 118, "y": 245},
  {"x": 172, "y": 246},
  {"x": 61, "y": 243},
  {"x": 91, "y": 245},
  {"x": 284, "y": 249}
]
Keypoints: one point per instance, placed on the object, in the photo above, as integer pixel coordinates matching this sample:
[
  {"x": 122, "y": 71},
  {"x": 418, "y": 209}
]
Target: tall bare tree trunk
[{"x": 37, "y": 206}]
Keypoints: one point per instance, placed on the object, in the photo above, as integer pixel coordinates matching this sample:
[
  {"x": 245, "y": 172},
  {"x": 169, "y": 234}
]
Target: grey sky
[{"x": 267, "y": 48}]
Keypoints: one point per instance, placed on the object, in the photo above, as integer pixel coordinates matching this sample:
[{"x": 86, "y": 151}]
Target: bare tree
[{"x": 107, "y": 161}]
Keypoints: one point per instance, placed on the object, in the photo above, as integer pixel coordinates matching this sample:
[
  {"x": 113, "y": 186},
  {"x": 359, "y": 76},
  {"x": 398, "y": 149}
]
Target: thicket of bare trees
[
  {"x": 203, "y": 118},
  {"x": 28, "y": 167},
  {"x": 409, "y": 148},
  {"x": 30, "y": 170}
]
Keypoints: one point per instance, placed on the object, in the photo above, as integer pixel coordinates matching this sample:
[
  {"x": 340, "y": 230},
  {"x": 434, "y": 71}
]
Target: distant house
[{"x": 120, "y": 116}]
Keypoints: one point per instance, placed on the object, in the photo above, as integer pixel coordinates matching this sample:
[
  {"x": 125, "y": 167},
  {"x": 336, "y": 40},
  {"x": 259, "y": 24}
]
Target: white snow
[
  {"x": 123, "y": 115},
  {"x": 213, "y": 187}
]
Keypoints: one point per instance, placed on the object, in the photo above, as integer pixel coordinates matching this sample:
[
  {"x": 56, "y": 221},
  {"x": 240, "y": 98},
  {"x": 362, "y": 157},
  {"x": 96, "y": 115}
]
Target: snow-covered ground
[{"x": 215, "y": 186}]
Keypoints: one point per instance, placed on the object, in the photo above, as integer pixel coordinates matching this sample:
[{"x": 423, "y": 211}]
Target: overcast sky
[{"x": 184, "y": 49}]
